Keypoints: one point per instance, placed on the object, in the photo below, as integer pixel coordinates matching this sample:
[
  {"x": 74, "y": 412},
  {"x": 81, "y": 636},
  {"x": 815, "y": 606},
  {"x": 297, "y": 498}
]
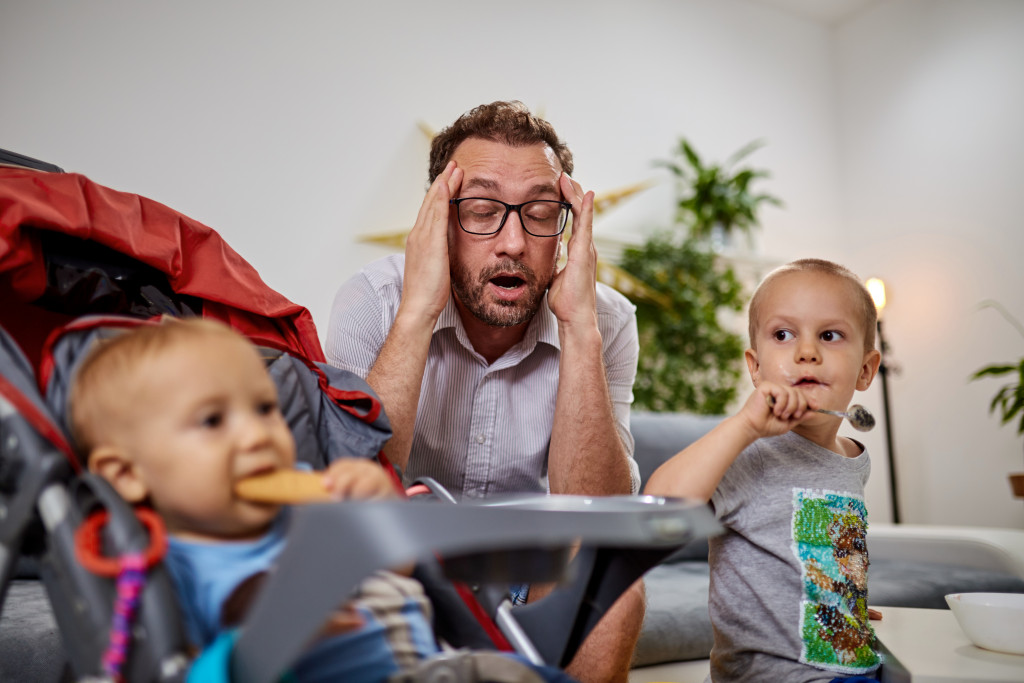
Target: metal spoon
[{"x": 860, "y": 418}]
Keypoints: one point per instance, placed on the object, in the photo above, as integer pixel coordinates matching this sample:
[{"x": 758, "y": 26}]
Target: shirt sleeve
[
  {"x": 358, "y": 326},
  {"x": 621, "y": 354}
]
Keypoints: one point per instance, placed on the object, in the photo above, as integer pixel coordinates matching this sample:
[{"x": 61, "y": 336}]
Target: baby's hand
[
  {"x": 775, "y": 409},
  {"x": 358, "y": 478},
  {"x": 343, "y": 620}
]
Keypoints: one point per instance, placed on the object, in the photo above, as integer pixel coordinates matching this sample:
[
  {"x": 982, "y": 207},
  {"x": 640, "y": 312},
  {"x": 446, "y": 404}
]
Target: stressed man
[{"x": 500, "y": 371}]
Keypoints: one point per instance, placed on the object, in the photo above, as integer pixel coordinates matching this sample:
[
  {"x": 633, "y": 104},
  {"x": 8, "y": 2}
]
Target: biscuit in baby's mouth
[{"x": 284, "y": 487}]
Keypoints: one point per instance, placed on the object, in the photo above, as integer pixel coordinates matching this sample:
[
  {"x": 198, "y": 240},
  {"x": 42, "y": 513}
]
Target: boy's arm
[{"x": 695, "y": 472}]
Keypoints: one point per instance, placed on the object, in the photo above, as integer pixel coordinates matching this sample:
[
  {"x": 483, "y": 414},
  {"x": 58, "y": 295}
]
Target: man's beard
[{"x": 497, "y": 312}]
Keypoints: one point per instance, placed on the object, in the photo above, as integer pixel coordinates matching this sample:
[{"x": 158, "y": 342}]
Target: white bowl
[{"x": 994, "y": 621}]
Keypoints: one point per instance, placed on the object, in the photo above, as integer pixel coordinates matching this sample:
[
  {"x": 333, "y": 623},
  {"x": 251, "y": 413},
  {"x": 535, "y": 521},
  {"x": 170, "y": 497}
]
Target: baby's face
[
  {"x": 207, "y": 417},
  {"x": 811, "y": 335}
]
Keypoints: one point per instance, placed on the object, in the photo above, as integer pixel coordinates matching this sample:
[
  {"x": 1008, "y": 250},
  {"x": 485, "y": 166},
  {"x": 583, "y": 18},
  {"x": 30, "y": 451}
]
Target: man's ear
[
  {"x": 868, "y": 370},
  {"x": 753, "y": 367},
  {"x": 111, "y": 464}
]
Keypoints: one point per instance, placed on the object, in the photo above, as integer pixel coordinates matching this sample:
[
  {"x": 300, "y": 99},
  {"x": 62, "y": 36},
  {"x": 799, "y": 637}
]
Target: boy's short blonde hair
[
  {"x": 869, "y": 315},
  {"x": 118, "y": 363}
]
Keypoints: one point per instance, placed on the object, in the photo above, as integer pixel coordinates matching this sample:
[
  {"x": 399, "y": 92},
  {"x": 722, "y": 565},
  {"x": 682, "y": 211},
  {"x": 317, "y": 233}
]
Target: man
[{"x": 499, "y": 371}]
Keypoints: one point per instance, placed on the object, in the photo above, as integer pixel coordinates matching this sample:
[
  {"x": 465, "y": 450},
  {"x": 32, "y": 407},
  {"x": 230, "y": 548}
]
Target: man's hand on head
[
  {"x": 427, "y": 273},
  {"x": 573, "y": 295}
]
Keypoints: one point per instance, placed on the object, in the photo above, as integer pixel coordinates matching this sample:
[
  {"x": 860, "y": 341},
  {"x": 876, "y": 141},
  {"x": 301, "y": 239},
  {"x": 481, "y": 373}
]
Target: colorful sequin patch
[{"x": 830, "y": 541}]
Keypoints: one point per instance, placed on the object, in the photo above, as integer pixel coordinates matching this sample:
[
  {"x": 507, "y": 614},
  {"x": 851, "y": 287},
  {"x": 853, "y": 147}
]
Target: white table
[{"x": 928, "y": 646}]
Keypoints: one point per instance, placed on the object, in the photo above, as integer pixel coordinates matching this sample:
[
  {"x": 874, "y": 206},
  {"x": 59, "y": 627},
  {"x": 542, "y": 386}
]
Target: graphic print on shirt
[{"x": 830, "y": 542}]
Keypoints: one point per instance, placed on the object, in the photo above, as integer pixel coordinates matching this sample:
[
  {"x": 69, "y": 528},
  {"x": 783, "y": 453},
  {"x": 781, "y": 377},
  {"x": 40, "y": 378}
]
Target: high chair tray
[{"x": 332, "y": 546}]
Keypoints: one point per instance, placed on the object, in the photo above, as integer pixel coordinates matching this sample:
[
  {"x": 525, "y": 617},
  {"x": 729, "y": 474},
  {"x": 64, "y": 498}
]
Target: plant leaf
[
  {"x": 744, "y": 151},
  {"x": 993, "y": 371},
  {"x": 691, "y": 155}
]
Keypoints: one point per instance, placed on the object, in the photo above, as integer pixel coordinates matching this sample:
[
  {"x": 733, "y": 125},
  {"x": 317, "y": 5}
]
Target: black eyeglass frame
[{"x": 509, "y": 208}]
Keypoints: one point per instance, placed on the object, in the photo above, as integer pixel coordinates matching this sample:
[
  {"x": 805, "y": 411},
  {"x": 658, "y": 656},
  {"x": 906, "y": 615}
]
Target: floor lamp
[{"x": 877, "y": 289}]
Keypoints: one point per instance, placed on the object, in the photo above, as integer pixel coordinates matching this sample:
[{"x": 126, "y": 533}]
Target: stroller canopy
[{"x": 69, "y": 246}]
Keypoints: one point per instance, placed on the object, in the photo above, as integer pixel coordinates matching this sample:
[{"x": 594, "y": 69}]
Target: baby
[
  {"x": 788, "y": 595},
  {"x": 173, "y": 416}
]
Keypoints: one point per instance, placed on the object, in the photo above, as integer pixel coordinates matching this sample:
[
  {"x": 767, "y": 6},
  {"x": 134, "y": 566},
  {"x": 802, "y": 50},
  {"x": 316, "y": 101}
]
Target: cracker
[{"x": 283, "y": 487}]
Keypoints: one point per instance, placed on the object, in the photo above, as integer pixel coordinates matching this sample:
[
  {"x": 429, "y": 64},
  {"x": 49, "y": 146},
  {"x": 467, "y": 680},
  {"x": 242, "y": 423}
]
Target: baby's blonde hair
[
  {"x": 869, "y": 315},
  {"x": 115, "y": 364}
]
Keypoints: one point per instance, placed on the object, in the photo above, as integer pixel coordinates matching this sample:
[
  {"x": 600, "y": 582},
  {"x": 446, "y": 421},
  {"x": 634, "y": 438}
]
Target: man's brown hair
[
  {"x": 510, "y": 123},
  {"x": 869, "y": 315}
]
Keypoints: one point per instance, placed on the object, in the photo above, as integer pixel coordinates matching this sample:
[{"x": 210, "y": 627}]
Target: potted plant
[
  {"x": 690, "y": 359},
  {"x": 1009, "y": 400}
]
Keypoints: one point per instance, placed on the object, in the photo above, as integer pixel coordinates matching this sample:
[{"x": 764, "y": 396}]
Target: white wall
[
  {"x": 931, "y": 144},
  {"x": 292, "y": 129}
]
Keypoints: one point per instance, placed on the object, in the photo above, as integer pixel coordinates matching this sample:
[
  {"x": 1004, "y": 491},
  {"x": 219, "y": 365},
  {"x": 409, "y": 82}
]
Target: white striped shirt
[{"x": 481, "y": 429}]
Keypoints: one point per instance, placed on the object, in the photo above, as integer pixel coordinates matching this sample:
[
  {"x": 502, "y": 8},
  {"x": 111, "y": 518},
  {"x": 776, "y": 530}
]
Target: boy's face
[
  {"x": 811, "y": 335},
  {"x": 205, "y": 416}
]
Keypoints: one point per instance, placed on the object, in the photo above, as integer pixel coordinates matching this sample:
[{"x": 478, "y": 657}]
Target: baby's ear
[
  {"x": 868, "y": 370},
  {"x": 111, "y": 464}
]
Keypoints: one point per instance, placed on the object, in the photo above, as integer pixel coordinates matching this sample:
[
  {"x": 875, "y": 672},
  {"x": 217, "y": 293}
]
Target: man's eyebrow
[{"x": 484, "y": 183}]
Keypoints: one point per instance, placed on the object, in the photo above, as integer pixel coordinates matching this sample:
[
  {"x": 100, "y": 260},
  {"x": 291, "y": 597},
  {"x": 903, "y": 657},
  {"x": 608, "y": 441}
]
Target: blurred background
[{"x": 295, "y": 129}]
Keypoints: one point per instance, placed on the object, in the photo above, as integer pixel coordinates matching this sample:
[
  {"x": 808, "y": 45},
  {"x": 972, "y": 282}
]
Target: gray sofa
[{"x": 911, "y": 565}]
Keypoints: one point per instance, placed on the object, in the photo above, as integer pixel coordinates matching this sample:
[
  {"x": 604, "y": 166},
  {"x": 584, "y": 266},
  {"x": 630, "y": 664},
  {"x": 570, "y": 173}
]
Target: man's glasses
[{"x": 540, "y": 218}]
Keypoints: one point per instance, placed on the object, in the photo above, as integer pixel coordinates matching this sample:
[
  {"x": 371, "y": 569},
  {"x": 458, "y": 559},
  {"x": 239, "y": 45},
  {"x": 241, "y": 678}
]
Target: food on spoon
[{"x": 861, "y": 419}]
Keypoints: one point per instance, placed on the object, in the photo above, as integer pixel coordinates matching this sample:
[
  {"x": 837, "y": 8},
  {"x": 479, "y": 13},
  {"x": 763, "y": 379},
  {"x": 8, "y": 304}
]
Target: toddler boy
[{"x": 788, "y": 598}]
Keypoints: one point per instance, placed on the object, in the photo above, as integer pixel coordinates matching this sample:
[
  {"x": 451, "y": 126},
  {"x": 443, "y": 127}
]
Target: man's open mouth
[{"x": 508, "y": 281}]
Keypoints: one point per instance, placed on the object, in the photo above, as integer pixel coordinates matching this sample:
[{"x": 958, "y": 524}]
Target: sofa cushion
[
  {"x": 907, "y": 583},
  {"x": 659, "y": 436},
  {"x": 676, "y": 625}
]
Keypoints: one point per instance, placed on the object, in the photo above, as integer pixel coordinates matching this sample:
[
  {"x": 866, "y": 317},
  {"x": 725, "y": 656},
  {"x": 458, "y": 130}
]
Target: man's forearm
[
  {"x": 586, "y": 455},
  {"x": 397, "y": 377}
]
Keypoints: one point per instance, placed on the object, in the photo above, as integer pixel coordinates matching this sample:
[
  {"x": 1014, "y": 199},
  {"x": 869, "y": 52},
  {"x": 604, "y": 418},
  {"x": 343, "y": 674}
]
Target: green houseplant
[
  {"x": 1009, "y": 400},
  {"x": 716, "y": 200},
  {"x": 690, "y": 359}
]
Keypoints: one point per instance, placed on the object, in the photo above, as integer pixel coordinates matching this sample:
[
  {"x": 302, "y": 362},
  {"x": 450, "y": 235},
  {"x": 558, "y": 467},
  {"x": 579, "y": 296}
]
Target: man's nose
[{"x": 512, "y": 236}]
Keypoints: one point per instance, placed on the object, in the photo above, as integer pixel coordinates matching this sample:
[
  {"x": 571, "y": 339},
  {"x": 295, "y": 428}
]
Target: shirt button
[{"x": 480, "y": 438}]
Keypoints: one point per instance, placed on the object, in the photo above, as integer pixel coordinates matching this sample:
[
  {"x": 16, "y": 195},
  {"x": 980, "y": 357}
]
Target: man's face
[
  {"x": 207, "y": 417},
  {"x": 501, "y": 279}
]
